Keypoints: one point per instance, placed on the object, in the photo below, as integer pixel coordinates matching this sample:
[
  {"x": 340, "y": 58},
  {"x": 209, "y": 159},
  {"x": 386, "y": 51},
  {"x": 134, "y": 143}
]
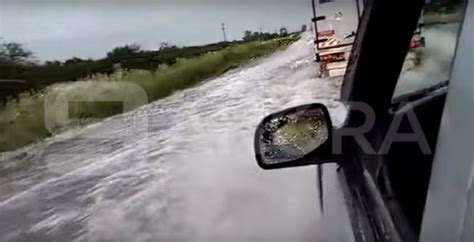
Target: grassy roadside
[{"x": 38, "y": 116}]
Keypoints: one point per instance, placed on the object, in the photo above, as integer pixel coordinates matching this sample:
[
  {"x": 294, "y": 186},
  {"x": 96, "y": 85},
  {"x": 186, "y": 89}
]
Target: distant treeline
[
  {"x": 19, "y": 72},
  {"x": 255, "y": 35}
]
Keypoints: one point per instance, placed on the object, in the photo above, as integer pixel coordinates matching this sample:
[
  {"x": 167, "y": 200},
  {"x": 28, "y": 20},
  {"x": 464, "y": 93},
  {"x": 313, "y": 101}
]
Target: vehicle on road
[
  {"x": 417, "y": 46},
  {"x": 405, "y": 166},
  {"x": 332, "y": 53}
]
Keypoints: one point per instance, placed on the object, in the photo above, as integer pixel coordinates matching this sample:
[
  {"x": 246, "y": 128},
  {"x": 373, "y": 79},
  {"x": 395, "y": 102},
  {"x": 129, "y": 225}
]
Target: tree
[
  {"x": 123, "y": 52},
  {"x": 53, "y": 63},
  {"x": 247, "y": 35},
  {"x": 304, "y": 28},
  {"x": 283, "y": 31},
  {"x": 74, "y": 60},
  {"x": 15, "y": 53},
  {"x": 166, "y": 46}
]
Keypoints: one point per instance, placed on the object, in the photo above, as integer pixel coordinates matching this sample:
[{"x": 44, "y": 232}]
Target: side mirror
[{"x": 297, "y": 136}]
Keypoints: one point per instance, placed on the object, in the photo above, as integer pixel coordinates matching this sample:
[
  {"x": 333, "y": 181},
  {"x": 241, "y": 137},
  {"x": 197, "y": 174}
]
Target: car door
[
  {"x": 388, "y": 175},
  {"x": 375, "y": 65}
]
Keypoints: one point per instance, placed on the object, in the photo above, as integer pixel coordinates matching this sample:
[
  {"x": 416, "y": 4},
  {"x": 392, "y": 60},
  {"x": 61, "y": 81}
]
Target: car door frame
[{"x": 371, "y": 81}]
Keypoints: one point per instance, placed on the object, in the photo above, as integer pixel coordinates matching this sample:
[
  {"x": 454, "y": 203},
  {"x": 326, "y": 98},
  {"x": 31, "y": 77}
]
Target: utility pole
[
  {"x": 223, "y": 32},
  {"x": 315, "y": 24}
]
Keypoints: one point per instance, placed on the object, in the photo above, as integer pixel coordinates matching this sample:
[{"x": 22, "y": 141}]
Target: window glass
[{"x": 428, "y": 62}]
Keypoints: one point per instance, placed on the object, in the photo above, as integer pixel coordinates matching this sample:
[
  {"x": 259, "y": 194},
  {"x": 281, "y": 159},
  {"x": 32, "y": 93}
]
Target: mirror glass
[{"x": 290, "y": 136}]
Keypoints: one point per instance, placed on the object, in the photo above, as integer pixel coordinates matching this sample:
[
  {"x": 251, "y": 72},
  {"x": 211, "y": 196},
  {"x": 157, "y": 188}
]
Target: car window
[{"x": 428, "y": 62}]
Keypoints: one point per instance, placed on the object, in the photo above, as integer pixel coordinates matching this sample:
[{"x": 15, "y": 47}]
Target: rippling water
[{"x": 181, "y": 169}]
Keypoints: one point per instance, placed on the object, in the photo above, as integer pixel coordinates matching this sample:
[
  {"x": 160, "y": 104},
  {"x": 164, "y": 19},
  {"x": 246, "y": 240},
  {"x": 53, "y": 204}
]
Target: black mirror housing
[{"x": 297, "y": 136}]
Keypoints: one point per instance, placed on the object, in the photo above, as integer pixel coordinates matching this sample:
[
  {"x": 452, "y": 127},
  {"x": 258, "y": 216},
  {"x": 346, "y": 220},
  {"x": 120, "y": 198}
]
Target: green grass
[{"x": 94, "y": 98}]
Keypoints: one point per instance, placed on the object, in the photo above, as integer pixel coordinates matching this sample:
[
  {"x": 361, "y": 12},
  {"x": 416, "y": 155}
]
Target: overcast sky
[{"x": 61, "y": 29}]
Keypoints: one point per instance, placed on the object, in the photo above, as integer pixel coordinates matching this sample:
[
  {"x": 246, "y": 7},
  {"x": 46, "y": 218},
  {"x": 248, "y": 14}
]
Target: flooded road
[
  {"x": 180, "y": 169},
  {"x": 183, "y": 168}
]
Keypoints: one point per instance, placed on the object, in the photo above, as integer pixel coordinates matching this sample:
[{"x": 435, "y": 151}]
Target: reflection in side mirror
[{"x": 294, "y": 137}]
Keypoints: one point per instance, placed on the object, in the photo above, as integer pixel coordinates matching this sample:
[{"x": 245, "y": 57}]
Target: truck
[
  {"x": 332, "y": 53},
  {"x": 415, "y": 52}
]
